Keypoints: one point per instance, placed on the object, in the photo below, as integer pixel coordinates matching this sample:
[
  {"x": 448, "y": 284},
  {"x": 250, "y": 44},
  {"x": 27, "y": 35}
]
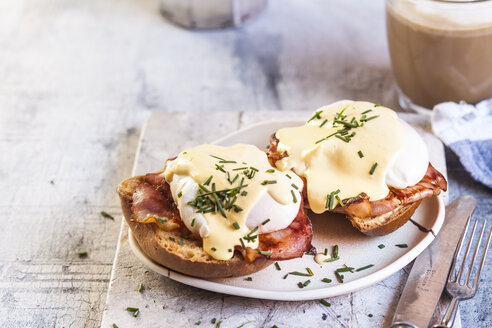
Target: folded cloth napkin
[{"x": 467, "y": 130}]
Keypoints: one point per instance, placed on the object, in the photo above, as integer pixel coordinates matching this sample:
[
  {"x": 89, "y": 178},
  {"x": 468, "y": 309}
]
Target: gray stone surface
[{"x": 79, "y": 78}]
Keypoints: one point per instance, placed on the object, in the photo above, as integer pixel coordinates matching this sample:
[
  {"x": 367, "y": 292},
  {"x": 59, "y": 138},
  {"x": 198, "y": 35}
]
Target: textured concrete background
[{"x": 78, "y": 79}]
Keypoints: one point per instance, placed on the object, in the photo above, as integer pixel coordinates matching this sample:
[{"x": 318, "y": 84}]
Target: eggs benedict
[
  {"x": 360, "y": 159},
  {"x": 217, "y": 212}
]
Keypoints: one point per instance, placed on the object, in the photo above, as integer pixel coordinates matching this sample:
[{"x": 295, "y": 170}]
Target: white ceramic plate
[{"x": 355, "y": 249}]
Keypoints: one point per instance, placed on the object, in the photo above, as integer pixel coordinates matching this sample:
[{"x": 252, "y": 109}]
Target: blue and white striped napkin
[{"x": 467, "y": 130}]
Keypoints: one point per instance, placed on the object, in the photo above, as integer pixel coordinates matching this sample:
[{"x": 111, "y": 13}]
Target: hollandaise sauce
[
  {"x": 343, "y": 150},
  {"x": 216, "y": 188}
]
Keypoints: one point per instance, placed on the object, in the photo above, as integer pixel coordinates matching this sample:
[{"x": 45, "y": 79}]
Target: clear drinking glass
[{"x": 441, "y": 50}]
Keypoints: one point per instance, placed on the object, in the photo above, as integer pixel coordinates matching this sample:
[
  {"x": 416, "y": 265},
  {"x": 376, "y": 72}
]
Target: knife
[{"x": 430, "y": 270}]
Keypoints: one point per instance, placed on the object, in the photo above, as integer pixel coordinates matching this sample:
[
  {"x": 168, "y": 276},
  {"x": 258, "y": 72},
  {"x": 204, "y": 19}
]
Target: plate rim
[{"x": 296, "y": 295}]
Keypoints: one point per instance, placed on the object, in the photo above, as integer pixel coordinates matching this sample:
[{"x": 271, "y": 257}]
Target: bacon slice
[
  {"x": 153, "y": 198},
  {"x": 360, "y": 206}
]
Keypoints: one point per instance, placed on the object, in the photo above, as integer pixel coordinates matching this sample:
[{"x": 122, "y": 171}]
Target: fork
[{"x": 454, "y": 287}]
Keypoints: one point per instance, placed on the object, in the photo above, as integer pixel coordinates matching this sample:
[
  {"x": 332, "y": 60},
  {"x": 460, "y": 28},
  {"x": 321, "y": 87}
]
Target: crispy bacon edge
[
  {"x": 152, "y": 198},
  {"x": 360, "y": 206}
]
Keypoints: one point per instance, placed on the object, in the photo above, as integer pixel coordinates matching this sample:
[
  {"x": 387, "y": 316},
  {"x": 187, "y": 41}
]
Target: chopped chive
[
  {"x": 115, "y": 325},
  {"x": 325, "y": 303},
  {"x": 377, "y": 105},
  {"x": 107, "y": 215},
  {"x": 265, "y": 182},
  {"x": 266, "y": 253},
  {"x": 193, "y": 222},
  {"x": 140, "y": 288},
  {"x": 198, "y": 323},
  {"x": 184, "y": 236},
  {"x": 265, "y": 222},
  {"x": 240, "y": 168},
  {"x": 381, "y": 246},
  {"x": 295, "y": 187},
  {"x": 218, "y": 324},
  {"x": 370, "y": 315},
  {"x": 347, "y": 269},
  {"x": 323, "y": 139},
  {"x": 373, "y": 168},
  {"x": 230, "y": 250},
  {"x": 172, "y": 239},
  {"x": 300, "y": 285},
  {"x": 288, "y": 176},
  {"x": 371, "y": 118},
  {"x": 339, "y": 276},
  {"x": 360, "y": 154},
  {"x": 248, "y": 279},
  {"x": 208, "y": 180},
  {"x": 364, "y": 267},
  {"x": 401, "y": 245},
  {"x": 242, "y": 243},
  {"x": 367, "y": 111},
  {"x": 344, "y": 139},
  {"x": 277, "y": 266},
  {"x": 316, "y": 115},
  {"x": 132, "y": 309},
  {"x": 180, "y": 194},
  {"x": 213, "y": 249},
  {"x": 254, "y": 168},
  {"x": 220, "y": 168},
  {"x": 228, "y": 162},
  {"x": 326, "y": 251},
  {"x": 339, "y": 201},
  {"x": 297, "y": 273},
  {"x": 310, "y": 272},
  {"x": 244, "y": 324},
  {"x": 307, "y": 282},
  {"x": 331, "y": 259},
  {"x": 180, "y": 242},
  {"x": 335, "y": 251},
  {"x": 82, "y": 254},
  {"x": 270, "y": 171},
  {"x": 217, "y": 157},
  {"x": 253, "y": 231},
  {"x": 285, "y": 276},
  {"x": 213, "y": 320},
  {"x": 326, "y": 280},
  {"x": 294, "y": 198},
  {"x": 236, "y": 226},
  {"x": 162, "y": 220},
  {"x": 324, "y": 122}
]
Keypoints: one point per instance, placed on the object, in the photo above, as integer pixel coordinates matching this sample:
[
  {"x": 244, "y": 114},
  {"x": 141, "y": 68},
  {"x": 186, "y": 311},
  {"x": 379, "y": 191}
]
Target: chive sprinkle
[
  {"x": 381, "y": 246},
  {"x": 230, "y": 250},
  {"x": 331, "y": 259},
  {"x": 335, "y": 251},
  {"x": 309, "y": 271},
  {"x": 266, "y": 253},
  {"x": 244, "y": 324},
  {"x": 364, "y": 267},
  {"x": 180, "y": 194},
  {"x": 240, "y": 168},
  {"x": 326, "y": 280},
  {"x": 360, "y": 154},
  {"x": 228, "y": 162},
  {"x": 218, "y": 324},
  {"x": 213, "y": 249},
  {"x": 295, "y": 187},
  {"x": 265, "y": 222},
  {"x": 367, "y": 111},
  {"x": 107, "y": 215},
  {"x": 140, "y": 288},
  {"x": 285, "y": 276},
  {"x": 377, "y": 105},
  {"x": 339, "y": 276},
  {"x": 373, "y": 168},
  {"x": 277, "y": 266},
  {"x": 316, "y": 115},
  {"x": 401, "y": 245},
  {"x": 325, "y": 303},
  {"x": 180, "y": 242},
  {"x": 193, "y": 222},
  {"x": 136, "y": 313},
  {"x": 172, "y": 239},
  {"x": 208, "y": 180},
  {"x": 339, "y": 201},
  {"x": 161, "y": 220},
  {"x": 132, "y": 309},
  {"x": 347, "y": 269},
  {"x": 265, "y": 182},
  {"x": 288, "y": 176},
  {"x": 242, "y": 243},
  {"x": 82, "y": 254},
  {"x": 213, "y": 320},
  {"x": 248, "y": 279},
  {"x": 184, "y": 236},
  {"x": 236, "y": 226},
  {"x": 115, "y": 325},
  {"x": 270, "y": 171},
  {"x": 217, "y": 157},
  {"x": 326, "y": 251},
  {"x": 324, "y": 122},
  {"x": 307, "y": 282},
  {"x": 297, "y": 273},
  {"x": 370, "y": 315},
  {"x": 371, "y": 118},
  {"x": 294, "y": 198},
  {"x": 198, "y": 323}
]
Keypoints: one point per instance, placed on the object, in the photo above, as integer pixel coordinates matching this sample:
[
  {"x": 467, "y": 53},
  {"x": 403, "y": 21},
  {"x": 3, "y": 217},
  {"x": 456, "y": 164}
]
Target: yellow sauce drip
[
  {"x": 333, "y": 164},
  {"x": 199, "y": 164}
]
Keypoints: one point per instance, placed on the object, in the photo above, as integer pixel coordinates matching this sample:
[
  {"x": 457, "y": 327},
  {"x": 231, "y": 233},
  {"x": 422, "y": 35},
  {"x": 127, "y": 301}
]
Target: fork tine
[
  {"x": 482, "y": 261},
  {"x": 453, "y": 272},
  {"x": 462, "y": 266},
  {"x": 470, "y": 269}
]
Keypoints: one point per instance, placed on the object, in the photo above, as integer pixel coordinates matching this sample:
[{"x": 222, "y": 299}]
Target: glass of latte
[{"x": 441, "y": 50}]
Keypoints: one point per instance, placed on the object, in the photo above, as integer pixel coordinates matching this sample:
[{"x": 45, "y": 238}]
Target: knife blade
[{"x": 430, "y": 270}]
